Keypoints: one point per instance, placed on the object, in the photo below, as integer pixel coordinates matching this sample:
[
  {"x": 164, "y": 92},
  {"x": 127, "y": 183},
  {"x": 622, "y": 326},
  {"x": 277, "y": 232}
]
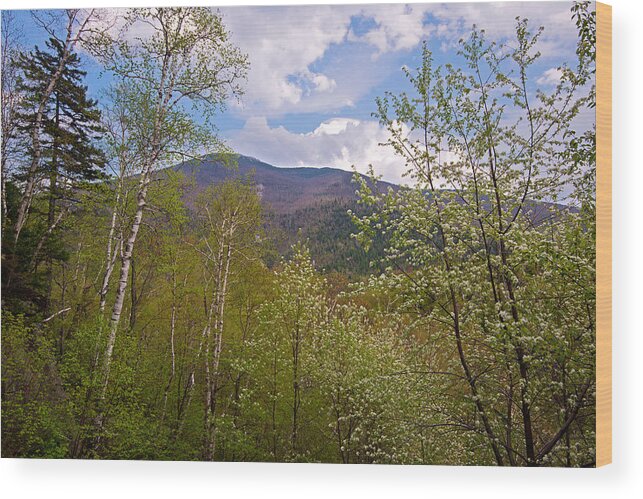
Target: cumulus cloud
[
  {"x": 326, "y": 59},
  {"x": 396, "y": 27},
  {"x": 498, "y": 19},
  {"x": 289, "y": 46},
  {"x": 401, "y": 27},
  {"x": 550, "y": 77},
  {"x": 283, "y": 43},
  {"x": 338, "y": 142}
]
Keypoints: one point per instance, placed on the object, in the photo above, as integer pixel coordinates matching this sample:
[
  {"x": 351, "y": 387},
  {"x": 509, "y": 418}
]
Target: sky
[{"x": 316, "y": 70}]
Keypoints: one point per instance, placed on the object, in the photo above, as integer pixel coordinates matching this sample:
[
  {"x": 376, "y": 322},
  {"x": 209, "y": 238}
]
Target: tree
[
  {"x": 471, "y": 253},
  {"x": 51, "y": 148},
  {"x": 122, "y": 148},
  {"x": 230, "y": 216},
  {"x": 290, "y": 320},
  {"x": 70, "y": 123},
  {"x": 368, "y": 384},
  {"x": 186, "y": 58},
  {"x": 77, "y": 23},
  {"x": 471, "y": 341},
  {"x": 32, "y": 419}
]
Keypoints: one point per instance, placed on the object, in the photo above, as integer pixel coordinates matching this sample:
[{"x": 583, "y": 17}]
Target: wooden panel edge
[{"x": 603, "y": 234}]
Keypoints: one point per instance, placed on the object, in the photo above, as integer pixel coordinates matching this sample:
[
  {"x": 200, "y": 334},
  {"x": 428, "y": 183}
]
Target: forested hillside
[
  {"x": 299, "y": 204},
  {"x": 165, "y": 298},
  {"x": 315, "y": 205}
]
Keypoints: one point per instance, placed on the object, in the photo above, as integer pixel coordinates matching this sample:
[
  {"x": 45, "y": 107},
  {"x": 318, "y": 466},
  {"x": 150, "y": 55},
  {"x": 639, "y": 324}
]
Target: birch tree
[
  {"x": 185, "y": 59},
  {"x": 126, "y": 153},
  {"x": 231, "y": 216}
]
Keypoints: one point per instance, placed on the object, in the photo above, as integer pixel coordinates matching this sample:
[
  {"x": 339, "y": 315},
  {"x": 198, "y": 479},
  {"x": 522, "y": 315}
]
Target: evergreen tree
[
  {"x": 70, "y": 156},
  {"x": 71, "y": 124}
]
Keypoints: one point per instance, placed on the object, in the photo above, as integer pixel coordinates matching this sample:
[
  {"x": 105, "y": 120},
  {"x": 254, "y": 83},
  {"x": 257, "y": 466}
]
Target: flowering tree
[{"x": 510, "y": 284}]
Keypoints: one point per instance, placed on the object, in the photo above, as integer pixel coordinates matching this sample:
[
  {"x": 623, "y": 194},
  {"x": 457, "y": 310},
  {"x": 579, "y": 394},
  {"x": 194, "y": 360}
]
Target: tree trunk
[
  {"x": 51, "y": 215},
  {"x": 296, "y": 401},
  {"x": 117, "y": 309},
  {"x": 164, "y": 94},
  {"x": 133, "y": 297},
  {"x": 217, "y": 343},
  {"x": 172, "y": 350},
  {"x": 110, "y": 257}
]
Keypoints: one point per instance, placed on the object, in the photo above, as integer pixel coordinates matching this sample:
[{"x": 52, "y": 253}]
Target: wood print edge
[{"x": 603, "y": 234}]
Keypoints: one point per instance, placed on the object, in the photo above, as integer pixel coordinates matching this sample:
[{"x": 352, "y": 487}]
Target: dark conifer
[{"x": 70, "y": 155}]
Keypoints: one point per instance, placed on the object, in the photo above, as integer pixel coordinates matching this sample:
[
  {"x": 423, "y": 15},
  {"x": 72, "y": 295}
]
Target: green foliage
[
  {"x": 71, "y": 122},
  {"x": 70, "y": 160},
  {"x": 457, "y": 326},
  {"x": 185, "y": 67},
  {"x": 511, "y": 290},
  {"x": 33, "y": 412},
  {"x": 328, "y": 227}
]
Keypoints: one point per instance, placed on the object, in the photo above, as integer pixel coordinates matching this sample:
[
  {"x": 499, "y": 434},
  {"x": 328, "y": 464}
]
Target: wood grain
[{"x": 603, "y": 234}]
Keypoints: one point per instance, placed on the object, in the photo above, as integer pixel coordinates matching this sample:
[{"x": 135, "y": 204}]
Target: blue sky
[{"x": 315, "y": 71}]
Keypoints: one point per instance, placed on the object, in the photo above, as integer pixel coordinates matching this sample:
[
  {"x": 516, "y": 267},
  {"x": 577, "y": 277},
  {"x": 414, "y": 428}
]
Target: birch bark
[{"x": 187, "y": 56}]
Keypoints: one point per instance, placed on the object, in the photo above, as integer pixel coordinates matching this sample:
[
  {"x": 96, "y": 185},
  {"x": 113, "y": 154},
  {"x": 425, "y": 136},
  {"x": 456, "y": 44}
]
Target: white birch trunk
[
  {"x": 164, "y": 95},
  {"x": 172, "y": 350},
  {"x": 212, "y": 371},
  {"x": 110, "y": 257},
  {"x": 126, "y": 262}
]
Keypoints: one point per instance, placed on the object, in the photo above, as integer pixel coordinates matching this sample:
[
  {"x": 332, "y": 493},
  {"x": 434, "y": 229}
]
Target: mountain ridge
[
  {"x": 312, "y": 204},
  {"x": 283, "y": 189},
  {"x": 301, "y": 203}
]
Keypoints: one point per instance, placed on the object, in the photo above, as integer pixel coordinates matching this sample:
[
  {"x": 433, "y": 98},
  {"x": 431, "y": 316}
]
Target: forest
[{"x": 140, "y": 321}]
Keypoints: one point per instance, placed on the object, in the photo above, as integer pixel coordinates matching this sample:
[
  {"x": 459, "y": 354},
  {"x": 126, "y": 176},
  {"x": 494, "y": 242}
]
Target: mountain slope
[
  {"x": 283, "y": 190},
  {"x": 300, "y": 203},
  {"x": 311, "y": 204}
]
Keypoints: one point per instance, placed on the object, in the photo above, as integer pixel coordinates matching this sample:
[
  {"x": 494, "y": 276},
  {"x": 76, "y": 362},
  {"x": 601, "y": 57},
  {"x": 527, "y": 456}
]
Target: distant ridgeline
[
  {"x": 301, "y": 203},
  {"x": 311, "y": 205}
]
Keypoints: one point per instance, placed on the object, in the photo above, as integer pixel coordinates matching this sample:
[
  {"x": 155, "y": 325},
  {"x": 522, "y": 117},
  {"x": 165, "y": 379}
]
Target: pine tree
[
  {"x": 70, "y": 131},
  {"x": 71, "y": 124}
]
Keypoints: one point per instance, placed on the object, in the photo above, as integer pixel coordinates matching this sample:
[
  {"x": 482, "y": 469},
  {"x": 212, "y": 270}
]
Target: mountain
[
  {"x": 283, "y": 190},
  {"x": 304, "y": 203},
  {"x": 311, "y": 204}
]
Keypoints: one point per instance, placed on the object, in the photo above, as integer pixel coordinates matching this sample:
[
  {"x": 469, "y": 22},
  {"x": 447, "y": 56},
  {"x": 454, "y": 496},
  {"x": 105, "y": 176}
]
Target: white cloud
[
  {"x": 299, "y": 63},
  {"x": 402, "y": 27},
  {"x": 339, "y": 142},
  {"x": 398, "y": 27},
  {"x": 498, "y": 19},
  {"x": 288, "y": 46},
  {"x": 322, "y": 82},
  {"x": 550, "y": 77},
  {"x": 334, "y": 126},
  {"x": 283, "y": 43}
]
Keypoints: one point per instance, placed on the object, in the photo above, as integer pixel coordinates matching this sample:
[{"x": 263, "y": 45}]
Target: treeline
[{"x": 136, "y": 327}]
